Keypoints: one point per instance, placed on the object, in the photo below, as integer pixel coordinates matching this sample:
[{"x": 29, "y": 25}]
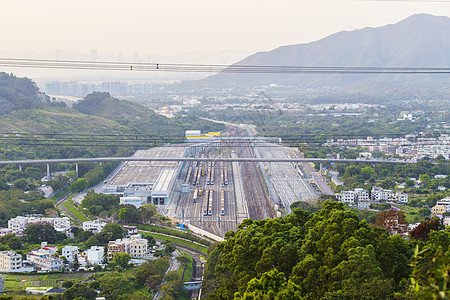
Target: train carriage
[
  {"x": 222, "y": 202},
  {"x": 205, "y": 203},
  {"x": 210, "y": 203}
]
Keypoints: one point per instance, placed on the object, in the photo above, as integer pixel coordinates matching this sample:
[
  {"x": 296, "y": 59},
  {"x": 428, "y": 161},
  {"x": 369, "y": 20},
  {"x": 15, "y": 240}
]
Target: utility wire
[{"x": 211, "y": 68}]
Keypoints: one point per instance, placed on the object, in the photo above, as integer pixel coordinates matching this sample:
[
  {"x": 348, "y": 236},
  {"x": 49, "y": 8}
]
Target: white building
[
  {"x": 379, "y": 194},
  {"x": 361, "y": 194},
  {"x": 347, "y": 197},
  {"x": 163, "y": 186},
  {"x": 138, "y": 246},
  {"x": 351, "y": 197},
  {"x": 70, "y": 252},
  {"x": 44, "y": 260},
  {"x": 5, "y": 231},
  {"x": 20, "y": 223},
  {"x": 136, "y": 201},
  {"x": 94, "y": 226},
  {"x": 401, "y": 198},
  {"x": 131, "y": 230},
  {"x": 10, "y": 261},
  {"x": 94, "y": 255},
  {"x": 445, "y": 202}
]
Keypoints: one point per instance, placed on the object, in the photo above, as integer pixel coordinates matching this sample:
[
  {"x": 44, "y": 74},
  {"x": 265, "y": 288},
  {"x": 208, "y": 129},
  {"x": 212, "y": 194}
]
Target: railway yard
[
  {"x": 217, "y": 196},
  {"x": 222, "y": 194},
  {"x": 290, "y": 181}
]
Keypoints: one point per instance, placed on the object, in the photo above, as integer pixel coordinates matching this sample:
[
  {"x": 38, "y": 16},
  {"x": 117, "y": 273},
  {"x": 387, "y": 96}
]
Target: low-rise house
[
  {"x": 44, "y": 258},
  {"x": 70, "y": 253},
  {"x": 132, "y": 230},
  {"x": 5, "y": 231},
  {"x": 94, "y": 226},
  {"x": 10, "y": 261},
  {"x": 446, "y": 221},
  {"x": 94, "y": 255},
  {"x": 364, "y": 204},
  {"x": 347, "y": 197},
  {"x": 118, "y": 246},
  {"x": 20, "y": 223},
  {"x": 445, "y": 202},
  {"x": 401, "y": 198},
  {"x": 438, "y": 210},
  {"x": 380, "y": 195},
  {"x": 354, "y": 197},
  {"x": 136, "y": 246}
]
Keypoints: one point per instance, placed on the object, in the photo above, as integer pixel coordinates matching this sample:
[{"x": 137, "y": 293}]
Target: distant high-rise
[{"x": 93, "y": 54}]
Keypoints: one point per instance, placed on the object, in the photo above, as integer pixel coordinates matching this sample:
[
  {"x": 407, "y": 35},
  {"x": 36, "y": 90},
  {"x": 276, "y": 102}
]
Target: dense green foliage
[
  {"x": 328, "y": 254},
  {"x": 18, "y": 93}
]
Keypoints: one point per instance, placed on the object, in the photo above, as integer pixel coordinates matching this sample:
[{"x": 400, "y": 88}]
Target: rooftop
[{"x": 145, "y": 171}]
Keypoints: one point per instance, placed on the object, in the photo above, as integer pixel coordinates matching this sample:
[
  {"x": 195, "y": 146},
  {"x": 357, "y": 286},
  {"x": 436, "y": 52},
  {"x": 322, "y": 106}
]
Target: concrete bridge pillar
[
  {"x": 320, "y": 170},
  {"x": 20, "y": 168},
  {"x": 76, "y": 168},
  {"x": 48, "y": 170}
]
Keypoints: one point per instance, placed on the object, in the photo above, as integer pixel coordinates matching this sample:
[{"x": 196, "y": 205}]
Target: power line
[{"x": 211, "y": 68}]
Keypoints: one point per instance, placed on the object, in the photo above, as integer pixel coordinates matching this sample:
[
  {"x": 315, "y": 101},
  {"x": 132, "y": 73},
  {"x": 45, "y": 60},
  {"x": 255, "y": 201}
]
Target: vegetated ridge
[
  {"x": 18, "y": 93},
  {"x": 417, "y": 42}
]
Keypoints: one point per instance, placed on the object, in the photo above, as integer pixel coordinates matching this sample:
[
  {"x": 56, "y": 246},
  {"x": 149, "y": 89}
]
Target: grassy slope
[{"x": 177, "y": 240}]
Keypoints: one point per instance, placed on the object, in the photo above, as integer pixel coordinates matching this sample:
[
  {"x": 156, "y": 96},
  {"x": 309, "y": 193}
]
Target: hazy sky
[{"x": 174, "y": 27}]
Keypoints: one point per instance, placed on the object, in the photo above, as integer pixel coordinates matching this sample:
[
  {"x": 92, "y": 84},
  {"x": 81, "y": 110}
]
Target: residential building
[
  {"x": 445, "y": 202},
  {"x": 361, "y": 194},
  {"x": 401, "y": 198},
  {"x": 94, "y": 226},
  {"x": 347, "y": 197},
  {"x": 138, "y": 246},
  {"x": 132, "y": 230},
  {"x": 438, "y": 210},
  {"x": 10, "y": 261},
  {"x": 118, "y": 246},
  {"x": 364, "y": 204},
  {"x": 446, "y": 221},
  {"x": 378, "y": 194},
  {"x": 44, "y": 260},
  {"x": 70, "y": 253},
  {"x": 20, "y": 223},
  {"x": 354, "y": 196},
  {"x": 5, "y": 231},
  {"x": 94, "y": 255}
]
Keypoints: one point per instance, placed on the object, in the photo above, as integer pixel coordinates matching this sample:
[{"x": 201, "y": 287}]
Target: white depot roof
[
  {"x": 146, "y": 171},
  {"x": 193, "y": 133},
  {"x": 164, "y": 179}
]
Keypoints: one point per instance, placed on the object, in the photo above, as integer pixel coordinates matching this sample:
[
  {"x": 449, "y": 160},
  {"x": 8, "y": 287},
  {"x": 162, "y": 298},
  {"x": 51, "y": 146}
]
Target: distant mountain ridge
[{"x": 418, "y": 41}]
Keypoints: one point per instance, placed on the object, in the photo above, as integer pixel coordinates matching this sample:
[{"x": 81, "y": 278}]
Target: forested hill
[
  {"x": 329, "y": 254},
  {"x": 18, "y": 93},
  {"x": 104, "y": 105}
]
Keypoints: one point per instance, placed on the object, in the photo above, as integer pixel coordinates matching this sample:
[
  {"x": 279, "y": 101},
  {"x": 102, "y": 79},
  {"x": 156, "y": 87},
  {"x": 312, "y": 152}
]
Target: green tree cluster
[{"x": 327, "y": 254}]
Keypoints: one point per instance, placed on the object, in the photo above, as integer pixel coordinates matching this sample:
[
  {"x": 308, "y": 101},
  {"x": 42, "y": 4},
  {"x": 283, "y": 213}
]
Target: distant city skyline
[{"x": 175, "y": 27}]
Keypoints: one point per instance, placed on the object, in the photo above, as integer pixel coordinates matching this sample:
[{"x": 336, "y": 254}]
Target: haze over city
[{"x": 174, "y": 27}]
